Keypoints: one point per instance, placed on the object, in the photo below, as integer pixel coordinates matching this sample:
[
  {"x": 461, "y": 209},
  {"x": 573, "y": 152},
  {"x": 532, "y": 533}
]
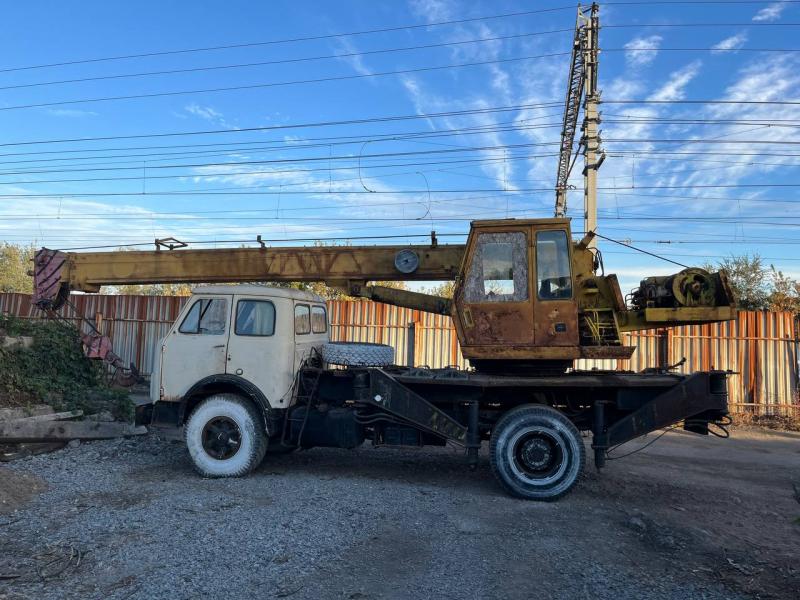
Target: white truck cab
[
  {"x": 254, "y": 333},
  {"x": 227, "y": 371}
]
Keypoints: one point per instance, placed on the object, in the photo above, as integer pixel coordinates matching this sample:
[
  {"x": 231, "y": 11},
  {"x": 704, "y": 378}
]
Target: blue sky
[{"x": 306, "y": 182}]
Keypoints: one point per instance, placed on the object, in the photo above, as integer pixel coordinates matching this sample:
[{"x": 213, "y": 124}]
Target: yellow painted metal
[
  {"x": 333, "y": 264},
  {"x": 405, "y": 298},
  {"x": 670, "y": 317},
  {"x": 597, "y": 311}
]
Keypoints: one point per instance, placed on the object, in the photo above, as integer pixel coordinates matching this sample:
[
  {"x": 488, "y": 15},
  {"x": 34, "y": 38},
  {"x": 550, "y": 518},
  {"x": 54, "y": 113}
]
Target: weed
[{"x": 55, "y": 371}]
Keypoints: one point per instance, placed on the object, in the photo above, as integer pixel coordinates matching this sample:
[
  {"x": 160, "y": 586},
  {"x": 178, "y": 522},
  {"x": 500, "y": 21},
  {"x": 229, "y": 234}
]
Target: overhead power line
[
  {"x": 288, "y": 40},
  {"x": 648, "y": 101},
  {"x": 659, "y": 153},
  {"x": 698, "y": 141},
  {"x": 283, "y": 61},
  {"x": 277, "y": 191},
  {"x": 383, "y": 119},
  {"x": 350, "y": 157},
  {"x": 202, "y": 175},
  {"x": 225, "y": 148},
  {"x": 623, "y": 118},
  {"x": 711, "y": 49},
  {"x": 271, "y": 84},
  {"x": 380, "y": 30},
  {"x": 422, "y": 192},
  {"x": 379, "y": 51},
  {"x": 696, "y": 25}
]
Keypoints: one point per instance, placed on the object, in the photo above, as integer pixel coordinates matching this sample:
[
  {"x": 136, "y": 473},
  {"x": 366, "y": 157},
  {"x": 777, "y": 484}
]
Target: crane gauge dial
[{"x": 406, "y": 261}]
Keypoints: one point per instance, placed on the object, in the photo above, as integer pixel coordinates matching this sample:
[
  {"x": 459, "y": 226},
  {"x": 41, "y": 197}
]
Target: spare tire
[{"x": 356, "y": 354}]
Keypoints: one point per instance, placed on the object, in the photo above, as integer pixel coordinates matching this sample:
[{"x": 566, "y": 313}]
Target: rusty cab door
[
  {"x": 555, "y": 309},
  {"x": 495, "y": 295}
]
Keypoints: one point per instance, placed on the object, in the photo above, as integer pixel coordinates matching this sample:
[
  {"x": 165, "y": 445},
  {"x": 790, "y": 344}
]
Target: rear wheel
[
  {"x": 536, "y": 453},
  {"x": 225, "y": 436}
]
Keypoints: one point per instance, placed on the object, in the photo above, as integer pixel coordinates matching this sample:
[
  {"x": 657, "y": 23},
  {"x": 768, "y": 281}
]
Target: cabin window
[
  {"x": 255, "y": 317},
  {"x": 554, "y": 280},
  {"x": 207, "y": 316},
  {"x": 302, "y": 319},
  {"x": 319, "y": 319},
  {"x": 499, "y": 270}
]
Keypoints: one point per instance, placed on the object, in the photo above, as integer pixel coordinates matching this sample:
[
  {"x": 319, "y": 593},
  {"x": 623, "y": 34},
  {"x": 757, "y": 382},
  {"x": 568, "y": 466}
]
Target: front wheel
[
  {"x": 536, "y": 453},
  {"x": 225, "y": 436}
]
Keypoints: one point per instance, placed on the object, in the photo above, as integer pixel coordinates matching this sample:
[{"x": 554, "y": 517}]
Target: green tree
[
  {"x": 446, "y": 289},
  {"x": 154, "y": 289},
  {"x": 785, "y": 292},
  {"x": 749, "y": 280},
  {"x": 15, "y": 262},
  {"x": 327, "y": 292}
]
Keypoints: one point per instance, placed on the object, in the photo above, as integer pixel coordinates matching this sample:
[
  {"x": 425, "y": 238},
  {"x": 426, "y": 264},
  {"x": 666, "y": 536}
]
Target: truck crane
[{"x": 247, "y": 369}]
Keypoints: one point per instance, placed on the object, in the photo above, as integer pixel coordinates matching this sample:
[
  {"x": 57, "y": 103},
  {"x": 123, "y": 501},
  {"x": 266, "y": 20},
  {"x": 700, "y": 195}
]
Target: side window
[
  {"x": 255, "y": 317},
  {"x": 207, "y": 316},
  {"x": 553, "y": 278},
  {"x": 499, "y": 269},
  {"x": 302, "y": 319},
  {"x": 319, "y": 319}
]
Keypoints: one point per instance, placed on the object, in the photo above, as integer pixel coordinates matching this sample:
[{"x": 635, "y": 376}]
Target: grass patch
[
  {"x": 775, "y": 422},
  {"x": 54, "y": 371}
]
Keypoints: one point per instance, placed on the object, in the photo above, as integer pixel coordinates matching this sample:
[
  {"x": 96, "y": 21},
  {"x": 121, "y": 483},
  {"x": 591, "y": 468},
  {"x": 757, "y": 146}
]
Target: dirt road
[{"x": 688, "y": 517}]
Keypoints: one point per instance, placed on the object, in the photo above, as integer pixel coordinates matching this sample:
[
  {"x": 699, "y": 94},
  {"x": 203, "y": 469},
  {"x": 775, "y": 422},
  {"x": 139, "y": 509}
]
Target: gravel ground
[{"x": 688, "y": 517}]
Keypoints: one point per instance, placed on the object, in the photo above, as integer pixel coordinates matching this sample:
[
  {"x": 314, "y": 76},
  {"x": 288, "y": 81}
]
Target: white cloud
[
  {"x": 767, "y": 79},
  {"x": 432, "y": 10},
  {"x": 731, "y": 43},
  {"x": 345, "y": 46},
  {"x": 71, "y": 112},
  {"x": 642, "y": 51},
  {"x": 675, "y": 87},
  {"x": 210, "y": 114},
  {"x": 204, "y": 112},
  {"x": 769, "y": 13}
]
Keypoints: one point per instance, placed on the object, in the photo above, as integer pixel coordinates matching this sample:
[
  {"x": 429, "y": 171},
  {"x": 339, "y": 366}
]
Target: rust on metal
[
  {"x": 89, "y": 270},
  {"x": 524, "y": 290},
  {"x": 761, "y": 347}
]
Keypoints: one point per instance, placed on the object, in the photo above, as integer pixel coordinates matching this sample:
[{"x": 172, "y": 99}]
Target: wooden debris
[
  {"x": 15, "y": 451},
  {"x": 37, "y": 431},
  {"x": 61, "y": 416},
  {"x": 12, "y": 414}
]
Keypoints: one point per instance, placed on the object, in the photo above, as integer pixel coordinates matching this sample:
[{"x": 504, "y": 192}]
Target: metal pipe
[
  {"x": 598, "y": 431},
  {"x": 473, "y": 435},
  {"x": 411, "y": 339}
]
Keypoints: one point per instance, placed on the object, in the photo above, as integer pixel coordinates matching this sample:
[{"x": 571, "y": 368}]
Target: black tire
[
  {"x": 536, "y": 453},
  {"x": 225, "y": 436},
  {"x": 356, "y": 354}
]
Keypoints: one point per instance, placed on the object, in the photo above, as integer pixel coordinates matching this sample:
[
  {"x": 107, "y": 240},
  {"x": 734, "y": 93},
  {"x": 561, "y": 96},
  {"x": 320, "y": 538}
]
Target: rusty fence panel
[{"x": 762, "y": 347}]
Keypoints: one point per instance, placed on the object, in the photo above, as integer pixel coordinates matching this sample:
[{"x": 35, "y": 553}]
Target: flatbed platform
[{"x": 574, "y": 379}]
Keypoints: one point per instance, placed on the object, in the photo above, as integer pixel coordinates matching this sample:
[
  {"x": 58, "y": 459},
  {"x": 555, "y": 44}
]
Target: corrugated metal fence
[{"x": 762, "y": 347}]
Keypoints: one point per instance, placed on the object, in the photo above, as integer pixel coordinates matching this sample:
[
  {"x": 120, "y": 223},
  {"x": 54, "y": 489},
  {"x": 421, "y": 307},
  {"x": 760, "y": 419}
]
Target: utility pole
[{"x": 582, "y": 85}]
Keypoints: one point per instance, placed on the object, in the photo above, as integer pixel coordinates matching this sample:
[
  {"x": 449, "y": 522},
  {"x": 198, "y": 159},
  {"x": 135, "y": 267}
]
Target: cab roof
[{"x": 252, "y": 289}]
